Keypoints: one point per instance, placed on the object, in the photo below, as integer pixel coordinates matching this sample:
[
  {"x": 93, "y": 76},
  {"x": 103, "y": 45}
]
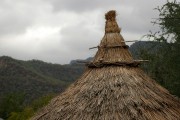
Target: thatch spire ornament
[
  {"x": 113, "y": 87},
  {"x": 111, "y": 24}
]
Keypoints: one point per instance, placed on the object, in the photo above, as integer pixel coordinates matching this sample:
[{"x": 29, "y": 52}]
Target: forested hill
[
  {"x": 35, "y": 78},
  {"x": 141, "y": 47}
]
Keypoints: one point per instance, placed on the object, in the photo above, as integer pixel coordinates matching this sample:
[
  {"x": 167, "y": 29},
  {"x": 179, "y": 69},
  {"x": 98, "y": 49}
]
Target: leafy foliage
[
  {"x": 164, "y": 63},
  {"x": 161, "y": 66},
  {"x": 168, "y": 21},
  {"x": 11, "y": 102},
  {"x": 29, "y": 110}
]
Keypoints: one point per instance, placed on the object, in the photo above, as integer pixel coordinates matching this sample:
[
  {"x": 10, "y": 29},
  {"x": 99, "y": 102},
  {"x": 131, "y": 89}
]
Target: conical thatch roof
[{"x": 112, "y": 88}]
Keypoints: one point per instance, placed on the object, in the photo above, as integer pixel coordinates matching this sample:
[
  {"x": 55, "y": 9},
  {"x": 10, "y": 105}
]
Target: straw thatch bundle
[
  {"x": 112, "y": 88},
  {"x": 111, "y": 24}
]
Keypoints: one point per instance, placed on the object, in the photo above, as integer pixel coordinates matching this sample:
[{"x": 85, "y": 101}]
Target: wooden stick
[
  {"x": 141, "y": 60},
  {"x": 101, "y": 64},
  {"x": 93, "y": 47},
  {"x": 130, "y": 41},
  {"x": 84, "y": 62},
  {"x": 125, "y": 46}
]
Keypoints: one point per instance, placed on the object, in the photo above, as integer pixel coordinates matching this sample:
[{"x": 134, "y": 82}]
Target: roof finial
[
  {"x": 111, "y": 15},
  {"x": 111, "y": 24}
]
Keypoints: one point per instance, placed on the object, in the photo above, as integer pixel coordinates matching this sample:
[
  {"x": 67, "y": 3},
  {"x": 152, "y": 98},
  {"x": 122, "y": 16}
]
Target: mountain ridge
[{"x": 35, "y": 78}]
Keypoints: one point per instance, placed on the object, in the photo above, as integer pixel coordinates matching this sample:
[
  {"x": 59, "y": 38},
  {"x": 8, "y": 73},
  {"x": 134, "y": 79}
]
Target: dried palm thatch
[{"x": 112, "y": 89}]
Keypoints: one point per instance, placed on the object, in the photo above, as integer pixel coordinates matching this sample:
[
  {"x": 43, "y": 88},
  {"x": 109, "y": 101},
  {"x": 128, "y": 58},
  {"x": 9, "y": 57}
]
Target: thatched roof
[{"x": 112, "y": 88}]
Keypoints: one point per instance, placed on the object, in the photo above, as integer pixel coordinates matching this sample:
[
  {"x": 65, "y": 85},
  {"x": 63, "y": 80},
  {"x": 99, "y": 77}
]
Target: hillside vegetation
[
  {"x": 163, "y": 65},
  {"x": 25, "y": 81}
]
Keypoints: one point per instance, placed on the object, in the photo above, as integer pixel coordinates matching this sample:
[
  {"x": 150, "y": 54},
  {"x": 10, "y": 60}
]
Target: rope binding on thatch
[{"x": 134, "y": 63}]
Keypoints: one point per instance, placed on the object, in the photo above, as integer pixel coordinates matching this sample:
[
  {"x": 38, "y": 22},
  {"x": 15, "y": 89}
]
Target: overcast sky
[{"x": 59, "y": 31}]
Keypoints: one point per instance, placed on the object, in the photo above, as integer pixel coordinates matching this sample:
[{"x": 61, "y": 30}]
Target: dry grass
[
  {"x": 112, "y": 92},
  {"x": 111, "y": 24},
  {"x": 111, "y": 15},
  {"x": 116, "y": 54}
]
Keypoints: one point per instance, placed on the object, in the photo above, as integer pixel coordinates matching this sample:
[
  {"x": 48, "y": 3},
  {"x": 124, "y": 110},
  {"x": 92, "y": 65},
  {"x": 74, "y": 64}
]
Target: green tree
[
  {"x": 164, "y": 63},
  {"x": 11, "y": 102},
  {"x": 169, "y": 23},
  {"x": 29, "y": 110}
]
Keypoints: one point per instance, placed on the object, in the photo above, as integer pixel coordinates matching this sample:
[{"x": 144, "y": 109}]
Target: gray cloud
[
  {"x": 60, "y": 30},
  {"x": 81, "y": 5},
  {"x": 134, "y": 16},
  {"x": 12, "y": 20}
]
